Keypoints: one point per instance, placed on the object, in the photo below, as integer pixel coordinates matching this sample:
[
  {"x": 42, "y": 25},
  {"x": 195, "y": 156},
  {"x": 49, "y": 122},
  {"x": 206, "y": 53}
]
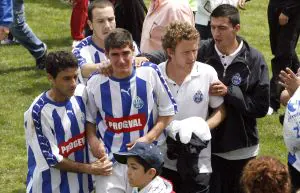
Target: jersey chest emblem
[
  {"x": 236, "y": 79},
  {"x": 198, "y": 97},
  {"x": 138, "y": 103}
]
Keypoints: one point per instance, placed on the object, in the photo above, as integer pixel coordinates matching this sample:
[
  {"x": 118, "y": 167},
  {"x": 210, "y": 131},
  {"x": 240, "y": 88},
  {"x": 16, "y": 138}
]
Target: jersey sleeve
[
  {"x": 91, "y": 113},
  {"x": 40, "y": 137},
  {"x": 82, "y": 55},
  {"x": 165, "y": 101},
  {"x": 214, "y": 101}
]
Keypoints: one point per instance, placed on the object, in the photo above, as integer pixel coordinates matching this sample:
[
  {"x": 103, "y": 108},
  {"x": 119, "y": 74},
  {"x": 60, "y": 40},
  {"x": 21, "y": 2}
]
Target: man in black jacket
[
  {"x": 244, "y": 84},
  {"x": 284, "y": 23}
]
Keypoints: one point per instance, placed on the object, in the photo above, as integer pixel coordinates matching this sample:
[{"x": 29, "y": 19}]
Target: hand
[
  {"x": 289, "y": 80},
  {"x": 105, "y": 68},
  {"x": 101, "y": 167},
  {"x": 218, "y": 89},
  {"x": 241, "y": 4},
  {"x": 144, "y": 139},
  {"x": 4, "y": 31},
  {"x": 283, "y": 19},
  {"x": 140, "y": 60}
]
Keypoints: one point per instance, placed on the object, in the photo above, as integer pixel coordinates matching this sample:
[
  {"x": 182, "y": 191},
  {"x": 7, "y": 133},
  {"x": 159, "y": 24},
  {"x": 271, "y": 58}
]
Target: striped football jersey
[
  {"x": 126, "y": 109},
  {"x": 55, "y": 131},
  {"x": 87, "y": 52}
]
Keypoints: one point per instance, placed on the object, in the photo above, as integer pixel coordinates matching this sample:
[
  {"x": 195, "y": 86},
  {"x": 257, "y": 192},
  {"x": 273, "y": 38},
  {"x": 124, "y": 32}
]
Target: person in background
[{"x": 266, "y": 174}]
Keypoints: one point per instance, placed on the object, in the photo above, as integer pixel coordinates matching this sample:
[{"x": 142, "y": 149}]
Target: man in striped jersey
[
  {"x": 131, "y": 105},
  {"x": 90, "y": 51},
  {"x": 55, "y": 133}
]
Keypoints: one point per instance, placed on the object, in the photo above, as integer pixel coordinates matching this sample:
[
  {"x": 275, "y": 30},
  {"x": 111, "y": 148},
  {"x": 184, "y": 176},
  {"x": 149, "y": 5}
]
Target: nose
[
  {"x": 107, "y": 25},
  {"x": 192, "y": 56}
]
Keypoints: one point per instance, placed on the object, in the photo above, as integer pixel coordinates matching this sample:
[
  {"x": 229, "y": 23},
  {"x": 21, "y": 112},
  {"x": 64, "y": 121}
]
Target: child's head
[
  {"x": 144, "y": 162},
  {"x": 266, "y": 174}
]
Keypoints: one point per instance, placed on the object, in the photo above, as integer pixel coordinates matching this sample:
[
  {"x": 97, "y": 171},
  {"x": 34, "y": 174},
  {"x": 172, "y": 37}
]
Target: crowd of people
[{"x": 166, "y": 104}]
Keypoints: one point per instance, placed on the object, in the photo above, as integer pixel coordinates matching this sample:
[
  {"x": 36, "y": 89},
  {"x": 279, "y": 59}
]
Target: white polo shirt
[{"x": 192, "y": 98}]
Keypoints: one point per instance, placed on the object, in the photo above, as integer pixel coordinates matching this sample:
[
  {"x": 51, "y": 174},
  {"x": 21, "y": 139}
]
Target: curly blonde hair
[
  {"x": 177, "y": 31},
  {"x": 266, "y": 174}
]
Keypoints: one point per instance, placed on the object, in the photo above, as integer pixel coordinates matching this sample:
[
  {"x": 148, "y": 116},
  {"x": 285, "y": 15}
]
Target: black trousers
[
  {"x": 226, "y": 175},
  {"x": 283, "y": 41},
  {"x": 295, "y": 178},
  {"x": 199, "y": 184}
]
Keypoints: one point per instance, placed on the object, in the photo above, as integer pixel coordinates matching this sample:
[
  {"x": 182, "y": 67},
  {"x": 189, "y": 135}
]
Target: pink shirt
[{"x": 160, "y": 14}]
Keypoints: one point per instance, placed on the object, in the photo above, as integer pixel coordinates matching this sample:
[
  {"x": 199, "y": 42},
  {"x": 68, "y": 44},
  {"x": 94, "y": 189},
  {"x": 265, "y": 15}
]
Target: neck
[
  {"x": 121, "y": 75},
  {"x": 99, "y": 42},
  {"x": 177, "y": 73},
  {"x": 55, "y": 95},
  {"x": 230, "y": 49}
]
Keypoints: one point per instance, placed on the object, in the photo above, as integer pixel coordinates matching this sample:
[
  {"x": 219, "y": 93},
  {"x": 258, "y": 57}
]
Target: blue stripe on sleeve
[
  {"x": 43, "y": 141},
  {"x": 107, "y": 108},
  {"x": 141, "y": 88}
]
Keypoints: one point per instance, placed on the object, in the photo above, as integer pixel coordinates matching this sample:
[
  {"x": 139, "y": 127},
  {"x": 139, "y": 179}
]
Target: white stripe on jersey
[
  {"x": 126, "y": 109},
  {"x": 53, "y": 131},
  {"x": 87, "y": 52}
]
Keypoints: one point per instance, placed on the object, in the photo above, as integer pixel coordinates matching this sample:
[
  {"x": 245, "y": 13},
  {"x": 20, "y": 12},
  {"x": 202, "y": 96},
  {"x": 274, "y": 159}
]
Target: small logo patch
[
  {"x": 236, "y": 79},
  {"x": 138, "y": 103},
  {"x": 198, "y": 97}
]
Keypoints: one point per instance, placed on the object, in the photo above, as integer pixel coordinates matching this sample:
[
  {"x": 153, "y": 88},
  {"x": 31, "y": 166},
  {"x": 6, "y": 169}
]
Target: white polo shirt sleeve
[{"x": 214, "y": 101}]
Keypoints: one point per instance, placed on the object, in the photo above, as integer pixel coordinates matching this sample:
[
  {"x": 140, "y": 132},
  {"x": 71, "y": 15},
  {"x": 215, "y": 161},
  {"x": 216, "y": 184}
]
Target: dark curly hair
[
  {"x": 59, "y": 61},
  {"x": 264, "y": 175}
]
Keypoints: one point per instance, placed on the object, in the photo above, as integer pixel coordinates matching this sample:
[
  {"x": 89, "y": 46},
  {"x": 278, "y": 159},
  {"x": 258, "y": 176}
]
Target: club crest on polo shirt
[
  {"x": 236, "y": 79},
  {"x": 138, "y": 103},
  {"x": 198, "y": 97}
]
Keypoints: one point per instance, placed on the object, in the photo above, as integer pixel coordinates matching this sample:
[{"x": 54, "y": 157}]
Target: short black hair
[
  {"x": 59, "y": 61},
  {"x": 118, "y": 38},
  {"x": 226, "y": 10},
  {"x": 98, "y": 4},
  {"x": 147, "y": 166}
]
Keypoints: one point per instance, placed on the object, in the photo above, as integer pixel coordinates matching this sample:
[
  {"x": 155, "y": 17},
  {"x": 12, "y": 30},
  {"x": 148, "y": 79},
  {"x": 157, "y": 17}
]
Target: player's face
[
  {"x": 185, "y": 54},
  {"x": 121, "y": 61},
  {"x": 103, "y": 22},
  {"x": 63, "y": 86},
  {"x": 223, "y": 32},
  {"x": 137, "y": 176}
]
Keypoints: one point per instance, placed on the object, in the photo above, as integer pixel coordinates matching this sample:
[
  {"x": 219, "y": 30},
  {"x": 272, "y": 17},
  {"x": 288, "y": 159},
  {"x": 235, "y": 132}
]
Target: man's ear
[
  {"x": 237, "y": 28},
  {"x": 90, "y": 24},
  {"x": 50, "y": 78},
  {"x": 170, "y": 52}
]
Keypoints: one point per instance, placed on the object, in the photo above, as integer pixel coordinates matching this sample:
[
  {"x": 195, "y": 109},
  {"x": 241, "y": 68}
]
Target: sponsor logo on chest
[
  {"x": 74, "y": 144},
  {"x": 126, "y": 124}
]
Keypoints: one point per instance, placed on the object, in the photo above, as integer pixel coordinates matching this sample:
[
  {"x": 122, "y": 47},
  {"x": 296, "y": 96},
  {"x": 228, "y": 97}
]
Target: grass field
[{"x": 20, "y": 83}]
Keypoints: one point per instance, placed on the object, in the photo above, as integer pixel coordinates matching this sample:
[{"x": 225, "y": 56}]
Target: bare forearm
[
  {"x": 97, "y": 147},
  {"x": 216, "y": 117},
  {"x": 161, "y": 124},
  {"x": 88, "y": 69},
  {"x": 72, "y": 166}
]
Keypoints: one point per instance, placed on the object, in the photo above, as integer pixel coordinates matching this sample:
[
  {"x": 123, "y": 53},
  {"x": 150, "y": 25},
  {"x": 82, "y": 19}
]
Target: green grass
[{"x": 21, "y": 83}]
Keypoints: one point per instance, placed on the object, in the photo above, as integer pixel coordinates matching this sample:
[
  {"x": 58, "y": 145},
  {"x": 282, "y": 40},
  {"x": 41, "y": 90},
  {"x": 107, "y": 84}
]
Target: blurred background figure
[
  {"x": 160, "y": 14},
  {"x": 283, "y": 18},
  {"x": 265, "y": 175},
  {"x": 78, "y": 20}
]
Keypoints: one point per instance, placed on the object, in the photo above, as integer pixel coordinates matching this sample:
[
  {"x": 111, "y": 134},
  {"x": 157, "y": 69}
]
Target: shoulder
[{"x": 95, "y": 80}]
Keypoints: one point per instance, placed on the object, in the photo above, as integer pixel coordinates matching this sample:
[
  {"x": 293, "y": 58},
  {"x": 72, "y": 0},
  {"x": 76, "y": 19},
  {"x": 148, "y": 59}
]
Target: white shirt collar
[{"x": 227, "y": 59}]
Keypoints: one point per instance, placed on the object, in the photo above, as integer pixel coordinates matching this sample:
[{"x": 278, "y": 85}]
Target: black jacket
[
  {"x": 247, "y": 99},
  {"x": 288, "y": 7}
]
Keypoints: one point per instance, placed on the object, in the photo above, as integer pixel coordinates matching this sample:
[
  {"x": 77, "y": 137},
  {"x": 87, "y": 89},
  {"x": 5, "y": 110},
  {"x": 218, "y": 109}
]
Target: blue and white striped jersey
[
  {"x": 291, "y": 129},
  {"x": 87, "y": 52},
  {"x": 55, "y": 131},
  {"x": 126, "y": 109}
]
